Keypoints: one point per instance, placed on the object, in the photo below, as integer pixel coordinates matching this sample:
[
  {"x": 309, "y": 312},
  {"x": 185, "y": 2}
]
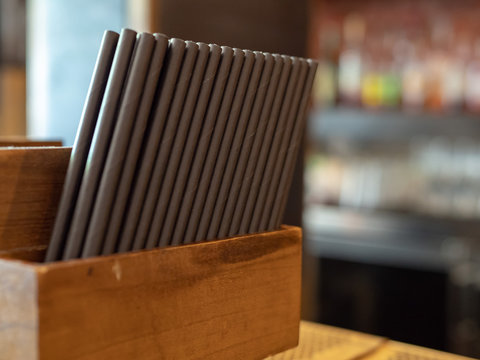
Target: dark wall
[
  {"x": 268, "y": 25},
  {"x": 276, "y": 26},
  {"x": 401, "y": 304}
]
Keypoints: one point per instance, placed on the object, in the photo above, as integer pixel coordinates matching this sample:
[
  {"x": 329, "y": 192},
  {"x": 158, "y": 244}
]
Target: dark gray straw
[
  {"x": 100, "y": 143},
  {"x": 78, "y": 157}
]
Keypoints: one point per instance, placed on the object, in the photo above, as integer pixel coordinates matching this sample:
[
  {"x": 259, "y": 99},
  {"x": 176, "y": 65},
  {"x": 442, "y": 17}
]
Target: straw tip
[
  {"x": 128, "y": 31},
  {"x": 110, "y": 33},
  {"x": 249, "y": 54},
  {"x": 259, "y": 55},
  {"x": 238, "y": 52},
  {"x": 227, "y": 50},
  {"x": 295, "y": 60},
  {"x": 159, "y": 36},
  {"x": 268, "y": 56},
  {"x": 191, "y": 44},
  {"x": 203, "y": 47},
  {"x": 145, "y": 35},
  {"x": 176, "y": 43},
  {"x": 161, "y": 39},
  {"x": 215, "y": 49}
]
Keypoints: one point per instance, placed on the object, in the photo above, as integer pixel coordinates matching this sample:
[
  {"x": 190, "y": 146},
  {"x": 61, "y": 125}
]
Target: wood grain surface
[
  {"x": 330, "y": 343},
  {"x": 237, "y": 298},
  {"x": 20, "y": 141},
  {"x": 31, "y": 183},
  {"x": 323, "y": 342}
]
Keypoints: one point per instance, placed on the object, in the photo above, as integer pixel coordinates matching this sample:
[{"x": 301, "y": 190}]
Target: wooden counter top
[{"x": 321, "y": 342}]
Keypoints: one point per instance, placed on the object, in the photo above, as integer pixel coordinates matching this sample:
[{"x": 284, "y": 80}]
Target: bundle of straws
[{"x": 180, "y": 142}]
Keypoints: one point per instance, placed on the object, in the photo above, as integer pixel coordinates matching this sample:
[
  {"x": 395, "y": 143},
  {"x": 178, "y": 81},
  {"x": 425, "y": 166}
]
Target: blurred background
[{"x": 387, "y": 188}]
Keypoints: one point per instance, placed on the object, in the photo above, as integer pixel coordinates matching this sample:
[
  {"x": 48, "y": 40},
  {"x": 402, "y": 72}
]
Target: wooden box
[{"x": 236, "y": 298}]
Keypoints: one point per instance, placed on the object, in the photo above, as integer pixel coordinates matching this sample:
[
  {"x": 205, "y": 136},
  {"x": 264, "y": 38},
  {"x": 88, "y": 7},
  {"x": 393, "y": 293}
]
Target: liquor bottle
[
  {"x": 371, "y": 89},
  {"x": 413, "y": 79},
  {"x": 472, "y": 81},
  {"x": 350, "y": 61},
  {"x": 324, "y": 90}
]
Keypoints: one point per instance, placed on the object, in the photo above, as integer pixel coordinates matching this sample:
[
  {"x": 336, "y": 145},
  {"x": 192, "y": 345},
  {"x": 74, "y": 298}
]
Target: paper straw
[
  {"x": 287, "y": 174},
  {"x": 279, "y": 160},
  {"x": 131, "y": 161},
  {"x": 267, "y": 141},
  {"x": 99, "y": 146},
  {"x": 219, "y": 102},
  {"x": 165, "y": 92},
  {"x": 78, "y": 157},
  {"x": 225, "y": 220},
  {"x": 275, "y": 147},
  {"x": 212, "y": 214},
  {"x": 177, "y": 174},
  {"x": 168, "y": 138},
  {"x": 118, "y": 147},
  {"x": 218, "y": 150}
]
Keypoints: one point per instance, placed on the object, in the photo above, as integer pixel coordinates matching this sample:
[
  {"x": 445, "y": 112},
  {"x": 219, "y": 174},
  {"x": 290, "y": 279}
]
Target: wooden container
[{"x": 236, "y": 298}]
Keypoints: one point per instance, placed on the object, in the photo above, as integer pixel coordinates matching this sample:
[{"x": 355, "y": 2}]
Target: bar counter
[{"x": 322, "y": 342}]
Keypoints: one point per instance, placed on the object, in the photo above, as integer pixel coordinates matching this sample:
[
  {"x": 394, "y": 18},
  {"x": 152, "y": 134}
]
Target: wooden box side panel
[
  {"x": 229, "y": 299},
  {"x": 31, "y": 184},
  {"x": 18, "y": 312}
]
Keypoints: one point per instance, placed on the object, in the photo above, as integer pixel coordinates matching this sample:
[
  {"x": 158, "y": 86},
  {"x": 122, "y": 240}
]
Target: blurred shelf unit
[
  {"x": 392, "y": 165},
  {"x": 410, "y": 55},
  {"x": 389, "y": 238},
  {"x": 386, "y": 126}
]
